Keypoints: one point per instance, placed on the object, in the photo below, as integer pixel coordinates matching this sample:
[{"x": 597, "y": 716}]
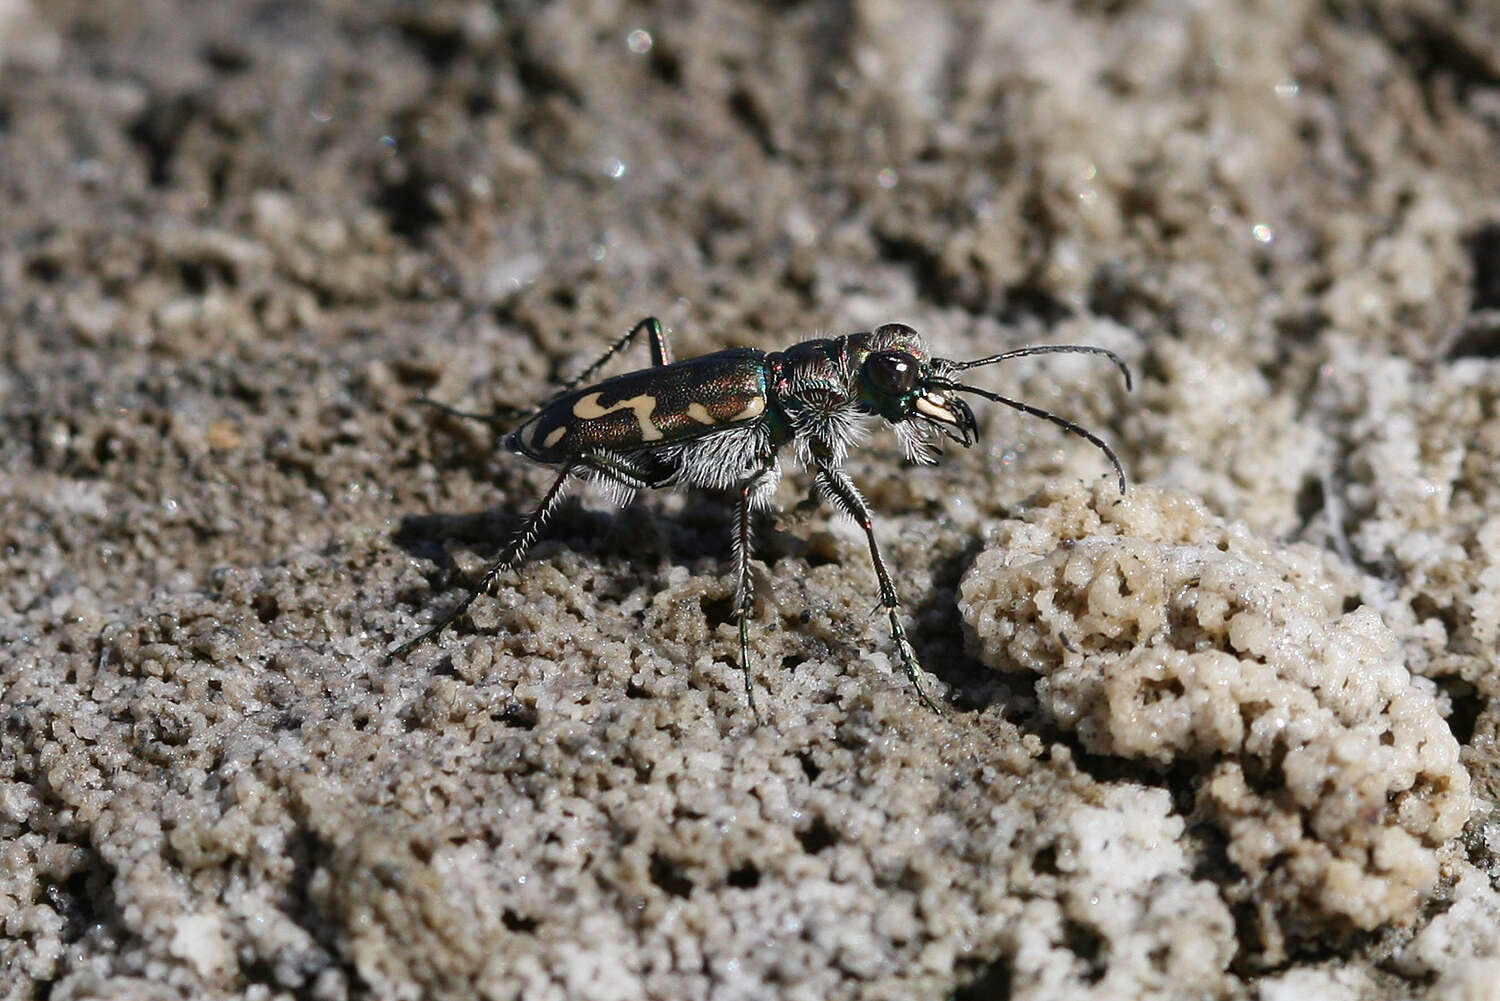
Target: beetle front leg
[{"x": 844, "y": 495}]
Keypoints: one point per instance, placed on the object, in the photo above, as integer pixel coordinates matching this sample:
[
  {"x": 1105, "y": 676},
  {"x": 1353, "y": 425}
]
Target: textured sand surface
[{"x": 1235, "y": 735}]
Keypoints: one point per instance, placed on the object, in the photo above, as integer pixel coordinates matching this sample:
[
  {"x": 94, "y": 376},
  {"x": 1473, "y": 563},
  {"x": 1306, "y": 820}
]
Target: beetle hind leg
[
  {"x": 509, "y": 558},
  {"x": 661, "y": 353}
]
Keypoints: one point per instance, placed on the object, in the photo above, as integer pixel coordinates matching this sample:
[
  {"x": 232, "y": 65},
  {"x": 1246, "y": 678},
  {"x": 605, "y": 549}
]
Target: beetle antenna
[
  {"x": 1047, "y": 349},
  {"x": 1045, "y": 415}
]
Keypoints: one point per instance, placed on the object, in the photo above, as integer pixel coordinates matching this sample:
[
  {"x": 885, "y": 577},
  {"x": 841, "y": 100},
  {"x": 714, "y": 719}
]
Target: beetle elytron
[{"x": 721, "y": 419}]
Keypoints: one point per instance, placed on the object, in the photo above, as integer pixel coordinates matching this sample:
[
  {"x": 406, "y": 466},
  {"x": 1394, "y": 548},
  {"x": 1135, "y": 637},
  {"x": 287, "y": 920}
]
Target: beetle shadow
[
  {"x": 937, "y": 635},
  {"x": 639, "y": 539},
  {"x": 613, "y": 534},
  {"x": 634, "y": 540},
  {"x": 423, "y": 536}
]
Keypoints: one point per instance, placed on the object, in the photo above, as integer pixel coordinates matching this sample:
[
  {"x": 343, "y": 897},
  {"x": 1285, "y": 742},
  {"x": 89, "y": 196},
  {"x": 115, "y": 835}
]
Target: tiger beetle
[{"x": 720, "y": 421}]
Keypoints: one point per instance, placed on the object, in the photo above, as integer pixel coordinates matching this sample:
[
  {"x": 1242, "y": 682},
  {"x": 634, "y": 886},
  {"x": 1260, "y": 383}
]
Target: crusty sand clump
[{"x": 1163, "y": 634}]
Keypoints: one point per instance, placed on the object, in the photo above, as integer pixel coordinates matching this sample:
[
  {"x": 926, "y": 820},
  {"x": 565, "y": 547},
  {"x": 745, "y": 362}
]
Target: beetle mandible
[{"x": 721, "y": 420}]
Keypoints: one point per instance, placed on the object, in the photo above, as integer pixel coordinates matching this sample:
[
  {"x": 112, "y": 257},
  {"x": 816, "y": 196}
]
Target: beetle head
[
  {"x": 899, "y": 380},
  {"x": 918, "y": 394}
]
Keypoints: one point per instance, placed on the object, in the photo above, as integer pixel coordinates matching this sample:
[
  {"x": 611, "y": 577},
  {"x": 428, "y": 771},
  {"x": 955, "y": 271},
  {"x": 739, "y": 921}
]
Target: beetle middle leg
[
  {"x": 754, "y": 493},
  {"x": 843, "y": 494}
]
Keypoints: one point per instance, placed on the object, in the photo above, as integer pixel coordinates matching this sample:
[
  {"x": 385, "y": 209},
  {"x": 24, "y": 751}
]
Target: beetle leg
[
  {"x": 750, "y": 495},
  {"x": 625, "y": 472},
  {"x": 844, "y": 495},
  {"x": 509, "y": 557},
  {"x": 661, "y": 353}
]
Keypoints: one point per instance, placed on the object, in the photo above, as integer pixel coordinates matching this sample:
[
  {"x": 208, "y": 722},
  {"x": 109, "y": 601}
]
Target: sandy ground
[{"x": 1231, "y": 736}]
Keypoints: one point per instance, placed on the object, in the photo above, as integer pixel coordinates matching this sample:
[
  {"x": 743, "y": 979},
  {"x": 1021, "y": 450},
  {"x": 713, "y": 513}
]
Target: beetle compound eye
[{"x": 892, "y": 372}]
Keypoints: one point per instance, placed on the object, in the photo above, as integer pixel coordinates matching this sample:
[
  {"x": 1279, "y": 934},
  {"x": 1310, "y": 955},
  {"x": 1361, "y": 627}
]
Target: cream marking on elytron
[
  {"x": 754, "y": 408},
  {"x": 817, "y": 396},
  {"x": 643, "y": 407}
]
